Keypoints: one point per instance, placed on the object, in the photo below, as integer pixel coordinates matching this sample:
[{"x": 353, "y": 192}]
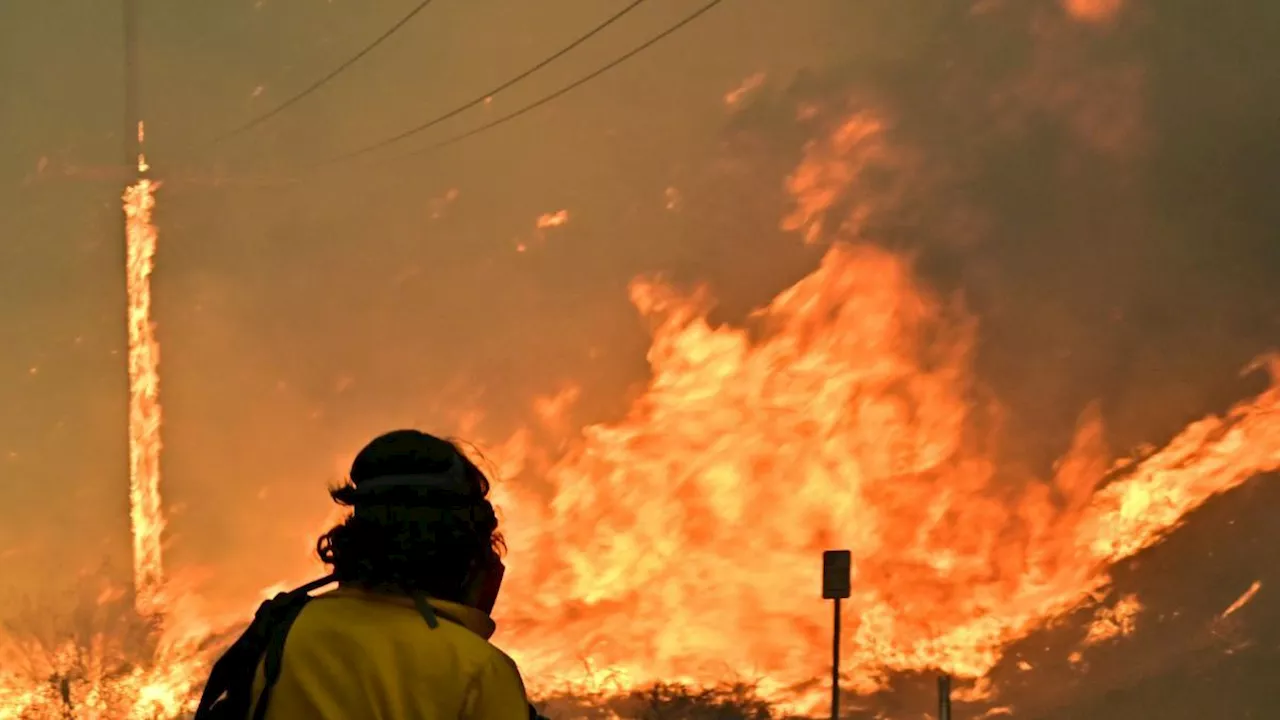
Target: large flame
[
  {"x": 146, "y": 514},
  {"x": 683, "y": 541}
]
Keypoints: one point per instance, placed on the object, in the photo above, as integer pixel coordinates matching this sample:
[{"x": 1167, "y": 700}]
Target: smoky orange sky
[
  {"x": 296, "y": 323},
  {"x": 1100, "y": 194}
]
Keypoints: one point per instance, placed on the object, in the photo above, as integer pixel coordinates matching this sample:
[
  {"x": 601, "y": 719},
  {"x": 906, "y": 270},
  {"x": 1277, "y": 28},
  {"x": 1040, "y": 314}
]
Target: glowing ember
[
  {"x": 144, "y": 394},
  {"x": 1243, "y": 600},
  {"x": 438, "y": 205},
  {"x": 671, "y": 196},
  {"x": 551, "y": 220},
  {"x": 1093, "y": 11},
  {"x": 751, "y": 83},
  {"x": 142, "y": 158}
]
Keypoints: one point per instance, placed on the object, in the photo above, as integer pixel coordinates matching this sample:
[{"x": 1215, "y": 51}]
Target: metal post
[
  {"x": 944, "y": 697},
  {"x": 835, "y": 662},
  {"x": 837, "y": 584}
]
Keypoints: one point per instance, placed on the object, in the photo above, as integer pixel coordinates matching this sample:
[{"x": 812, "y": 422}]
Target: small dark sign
[{"x": 836, "y": 571}]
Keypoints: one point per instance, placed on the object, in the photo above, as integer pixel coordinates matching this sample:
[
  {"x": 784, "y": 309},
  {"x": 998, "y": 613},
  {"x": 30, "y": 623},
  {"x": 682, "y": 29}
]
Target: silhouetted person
[{"x": 405, "y": 634}]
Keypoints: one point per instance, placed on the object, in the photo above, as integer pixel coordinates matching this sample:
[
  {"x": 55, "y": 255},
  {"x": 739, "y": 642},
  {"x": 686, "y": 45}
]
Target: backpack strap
[
  {"x": 427, "y": 612},
  {"x": 229, "y": 690},
  {"x": 273, "y": 658},
  {"x": 230, "y": 680}
]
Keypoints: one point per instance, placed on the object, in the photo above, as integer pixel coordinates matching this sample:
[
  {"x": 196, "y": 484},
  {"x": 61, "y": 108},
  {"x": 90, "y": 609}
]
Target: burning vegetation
[
  {"x": 675, "y": 547},
  {"x": 846, "y": 415}
]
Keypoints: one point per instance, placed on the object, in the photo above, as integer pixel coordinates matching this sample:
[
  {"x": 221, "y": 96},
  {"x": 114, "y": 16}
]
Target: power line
[
  {"x": 671, "y": 30},
  {"x": 312, "y": 170},
  {"x": 258, "y": 120},
  {"x": 573, "y": 85},
  {"x": 485, "y": 96}
]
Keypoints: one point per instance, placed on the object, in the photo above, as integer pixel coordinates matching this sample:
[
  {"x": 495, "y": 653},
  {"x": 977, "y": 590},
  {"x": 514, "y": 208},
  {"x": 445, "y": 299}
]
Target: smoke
[
  {"x": 1060, "y": 181},
  {"x": 1098, "y": 192}
]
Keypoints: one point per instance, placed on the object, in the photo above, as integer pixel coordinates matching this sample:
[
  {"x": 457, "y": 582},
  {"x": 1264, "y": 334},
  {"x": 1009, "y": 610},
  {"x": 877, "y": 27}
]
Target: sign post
[
  {"x": 837, "y": 584},
  {"x": 944, "y": 697}
]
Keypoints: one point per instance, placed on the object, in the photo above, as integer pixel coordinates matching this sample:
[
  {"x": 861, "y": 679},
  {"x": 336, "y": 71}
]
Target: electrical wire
[
  {"x": 563, "y": 90},
  {"x": 315, "y": 169},
  {"x": 294, "y": 99},
  {"x": 573, "y": 85},
  {"x": 485, "y": 96}
]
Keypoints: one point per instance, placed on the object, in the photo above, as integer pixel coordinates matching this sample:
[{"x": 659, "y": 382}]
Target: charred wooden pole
[
  {"x": 131, "y": 83},
  {"x": 836, "y": 586},
  {"x": 944, "y": 697}
]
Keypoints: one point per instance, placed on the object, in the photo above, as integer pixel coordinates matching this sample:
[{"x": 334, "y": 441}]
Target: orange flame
[
  {"x": 1093, "y": 11},
  {"x": 681, "y": 542},
  {"x": 155, "y": 671},
  {"x": 1243, "y": 600},
  {"x": 123, "y": 665},
  {"x": 552, "y": 219},
  {"x": 1113, "y": 622},
  {"x": 88, "y": 682},
  {"x": 146, "y": 513}
]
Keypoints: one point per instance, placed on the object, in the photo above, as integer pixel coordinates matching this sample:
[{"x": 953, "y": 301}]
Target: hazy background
[
  {"x": 1103, "y": 196},
  {"x": 295, "y": 323}
]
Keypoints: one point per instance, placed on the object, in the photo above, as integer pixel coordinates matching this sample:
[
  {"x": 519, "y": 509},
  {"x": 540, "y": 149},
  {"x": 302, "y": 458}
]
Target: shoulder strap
[
  {"x": 229, "y": 691},
  {"x": 274, "y": 656},
  {"x": 427, "y": 612}
]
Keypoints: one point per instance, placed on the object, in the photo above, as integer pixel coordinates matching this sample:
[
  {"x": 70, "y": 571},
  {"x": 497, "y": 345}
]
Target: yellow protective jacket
[{"x": 357, "y": 655}]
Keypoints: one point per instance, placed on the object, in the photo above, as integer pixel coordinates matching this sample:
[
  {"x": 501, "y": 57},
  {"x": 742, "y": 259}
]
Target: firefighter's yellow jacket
[{"x": 356, "y": 655}]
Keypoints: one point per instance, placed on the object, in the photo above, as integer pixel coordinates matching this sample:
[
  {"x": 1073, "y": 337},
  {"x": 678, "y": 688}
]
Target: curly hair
[{"x": 405, "y": 538}]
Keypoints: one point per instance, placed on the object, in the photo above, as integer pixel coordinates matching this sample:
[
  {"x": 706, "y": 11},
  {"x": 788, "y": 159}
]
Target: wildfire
[
  {"x": 146, "y": 514},
  {"x": 681, "y": 541},
  {"x": 93, "y": 683},
  {"x": 104, "y": 661},
  {"x": 1114, "y": 622}
]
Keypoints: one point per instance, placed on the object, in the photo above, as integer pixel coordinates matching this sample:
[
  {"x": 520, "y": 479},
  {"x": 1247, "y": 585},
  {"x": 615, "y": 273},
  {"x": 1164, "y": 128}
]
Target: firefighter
[{"x": 405, "y": 635}]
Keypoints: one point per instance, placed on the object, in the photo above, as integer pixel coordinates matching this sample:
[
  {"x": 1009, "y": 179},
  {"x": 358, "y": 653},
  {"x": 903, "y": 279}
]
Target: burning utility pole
[{"x": 146, "y": 518}]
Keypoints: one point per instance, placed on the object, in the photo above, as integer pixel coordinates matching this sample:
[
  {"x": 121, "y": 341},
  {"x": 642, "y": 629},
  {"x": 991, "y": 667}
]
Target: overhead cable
[
  {"x": 563, "y": 90},
  {"x": 294, "y": 99},
  {"x": 479, "y": 99}
]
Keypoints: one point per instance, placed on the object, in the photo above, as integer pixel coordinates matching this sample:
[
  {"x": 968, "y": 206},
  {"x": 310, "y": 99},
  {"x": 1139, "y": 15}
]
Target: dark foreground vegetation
[{"x": 664, "y": 702}]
